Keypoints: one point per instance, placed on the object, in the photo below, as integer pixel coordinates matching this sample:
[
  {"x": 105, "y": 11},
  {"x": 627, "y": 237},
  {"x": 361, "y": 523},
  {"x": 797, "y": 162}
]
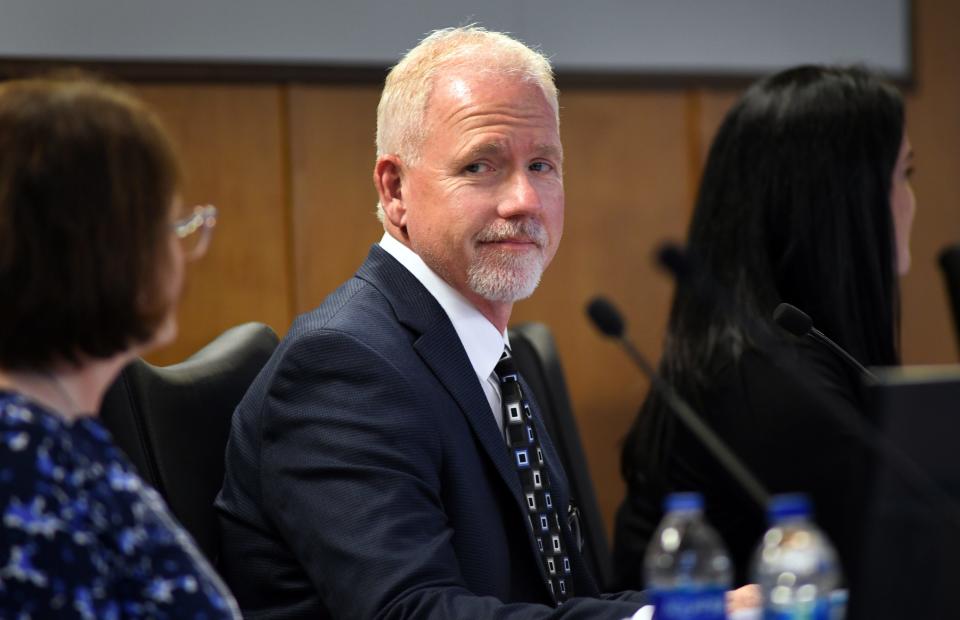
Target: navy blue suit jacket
[{"x": 366, "y": 476}]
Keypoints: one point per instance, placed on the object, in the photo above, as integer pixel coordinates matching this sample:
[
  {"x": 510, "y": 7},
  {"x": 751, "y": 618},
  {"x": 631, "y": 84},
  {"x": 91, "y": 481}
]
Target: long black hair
[{"x": 794, "y": 206}]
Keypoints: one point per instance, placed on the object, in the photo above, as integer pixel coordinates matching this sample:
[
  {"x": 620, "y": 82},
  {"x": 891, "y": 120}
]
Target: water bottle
[
  {"x": 796, "y": 566},
  {"x": 687, "y": 568}
]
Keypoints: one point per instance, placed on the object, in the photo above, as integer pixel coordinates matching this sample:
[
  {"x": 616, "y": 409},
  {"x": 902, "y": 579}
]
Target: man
[{"x": 368, "y": 471}]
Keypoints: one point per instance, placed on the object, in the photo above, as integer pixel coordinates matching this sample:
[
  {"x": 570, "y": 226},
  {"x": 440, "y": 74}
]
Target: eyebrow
[
  {"x": 550, "y": 150},
  {"x": 490, "y": 149},
  {"x": 485, "y": 149}
]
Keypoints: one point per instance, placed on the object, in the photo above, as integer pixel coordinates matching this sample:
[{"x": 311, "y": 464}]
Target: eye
[
  {"x": 477, "y": 167},
  {"x": 541, "y": 166}
]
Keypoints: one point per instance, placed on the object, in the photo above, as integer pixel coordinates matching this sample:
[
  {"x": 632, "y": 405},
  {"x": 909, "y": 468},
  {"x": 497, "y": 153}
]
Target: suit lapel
[
  {"x": 456, "y": 373},
  {"x": 441, "y": 350}
]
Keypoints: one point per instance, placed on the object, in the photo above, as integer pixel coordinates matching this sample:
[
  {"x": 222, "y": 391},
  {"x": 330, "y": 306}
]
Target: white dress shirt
[{"x": 483, "y": 343}]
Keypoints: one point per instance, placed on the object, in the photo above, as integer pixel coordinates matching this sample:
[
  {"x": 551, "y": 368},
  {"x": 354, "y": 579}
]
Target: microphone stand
[
  {"x": 610, "y": 323},
  {"x": 700, "y": 429}
]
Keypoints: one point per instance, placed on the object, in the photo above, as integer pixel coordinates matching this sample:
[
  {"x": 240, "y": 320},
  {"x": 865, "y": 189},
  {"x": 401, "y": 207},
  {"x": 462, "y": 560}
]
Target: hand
[{"x": 747, "y": 597}]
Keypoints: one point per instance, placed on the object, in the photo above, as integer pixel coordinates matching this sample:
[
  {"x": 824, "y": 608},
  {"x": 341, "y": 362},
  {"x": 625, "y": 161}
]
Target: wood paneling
[
  {"x": 332, "y": 149},
  {"x": 232, "y": 147},
  {"x": 933, "y": 124},
  {"x": 714, "y": 105}
]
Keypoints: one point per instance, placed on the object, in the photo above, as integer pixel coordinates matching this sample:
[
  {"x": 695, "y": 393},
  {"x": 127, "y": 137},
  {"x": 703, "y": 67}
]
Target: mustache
[{"x": 526, "y": 228}]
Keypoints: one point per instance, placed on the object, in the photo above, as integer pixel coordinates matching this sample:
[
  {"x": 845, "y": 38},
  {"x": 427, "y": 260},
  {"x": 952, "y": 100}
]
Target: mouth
[
  {"x": 519, "y": 243},
  {"x": 513, "y": 236}
]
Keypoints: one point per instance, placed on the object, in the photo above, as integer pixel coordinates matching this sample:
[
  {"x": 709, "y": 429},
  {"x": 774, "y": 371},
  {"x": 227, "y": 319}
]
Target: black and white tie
[{"x": 542, "y": 513}]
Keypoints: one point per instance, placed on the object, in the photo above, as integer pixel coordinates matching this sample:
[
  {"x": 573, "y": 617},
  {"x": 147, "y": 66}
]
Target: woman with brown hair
[{"x": 91, "y": 266}]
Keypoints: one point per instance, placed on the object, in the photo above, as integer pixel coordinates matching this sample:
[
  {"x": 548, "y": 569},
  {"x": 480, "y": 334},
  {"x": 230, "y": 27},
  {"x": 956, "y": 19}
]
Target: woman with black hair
[{"x": 805, "y": 199}]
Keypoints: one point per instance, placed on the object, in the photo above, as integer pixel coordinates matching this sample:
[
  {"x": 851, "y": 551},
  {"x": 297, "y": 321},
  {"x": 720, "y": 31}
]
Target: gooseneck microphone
[
  {"x": 610, "y": 322},
  {"x": 799, "y": 323}
]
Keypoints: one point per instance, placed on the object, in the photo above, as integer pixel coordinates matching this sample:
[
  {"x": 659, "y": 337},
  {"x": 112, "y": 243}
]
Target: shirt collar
[{"x": 483, "y": 343}]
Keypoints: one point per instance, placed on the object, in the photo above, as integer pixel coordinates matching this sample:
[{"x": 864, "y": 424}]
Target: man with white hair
[{"x": 388, "y": 461}]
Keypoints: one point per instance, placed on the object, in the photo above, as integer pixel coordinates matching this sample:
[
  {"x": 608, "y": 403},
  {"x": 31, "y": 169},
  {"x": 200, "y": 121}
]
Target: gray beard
[{"x": 505, "y": 277}]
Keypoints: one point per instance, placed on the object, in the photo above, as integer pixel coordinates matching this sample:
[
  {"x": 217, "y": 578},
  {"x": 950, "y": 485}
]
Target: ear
[{"x": 388, "y": 179}]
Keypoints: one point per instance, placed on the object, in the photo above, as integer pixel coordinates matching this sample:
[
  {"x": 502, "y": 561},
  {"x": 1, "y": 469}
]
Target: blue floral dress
[{"x": 82, "y": 536}]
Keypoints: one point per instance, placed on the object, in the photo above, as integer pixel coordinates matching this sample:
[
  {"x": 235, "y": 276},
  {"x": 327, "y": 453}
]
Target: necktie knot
[
  {"x": 509, "y": 379},
  {"x": 505, "y": 369}
]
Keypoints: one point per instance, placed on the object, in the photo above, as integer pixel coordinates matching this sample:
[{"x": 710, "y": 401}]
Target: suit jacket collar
[
  {"x": 479, "y": 337},
  {"x": 440, "y": 348}
]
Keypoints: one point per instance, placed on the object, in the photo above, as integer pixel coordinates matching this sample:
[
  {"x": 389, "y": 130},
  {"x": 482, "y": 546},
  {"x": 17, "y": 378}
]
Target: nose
[{"x": 521, "y": 196}]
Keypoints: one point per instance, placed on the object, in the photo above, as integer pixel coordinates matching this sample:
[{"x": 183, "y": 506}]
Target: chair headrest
[{"x": 250, "y": 343}]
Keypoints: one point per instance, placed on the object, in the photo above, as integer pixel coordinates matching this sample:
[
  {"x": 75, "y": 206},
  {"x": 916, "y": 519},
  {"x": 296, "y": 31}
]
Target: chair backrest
[
  {"x": 173, "y": 421},
  {"x": 535, "y": 353},
  {"x": 950, "y": 264}
]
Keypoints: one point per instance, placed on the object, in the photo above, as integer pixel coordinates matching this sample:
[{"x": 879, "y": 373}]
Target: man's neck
[{"x": 497, "y": 312}]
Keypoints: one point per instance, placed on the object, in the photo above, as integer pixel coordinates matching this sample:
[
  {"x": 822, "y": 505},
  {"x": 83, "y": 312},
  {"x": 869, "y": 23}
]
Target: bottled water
[
  {"x": 795, "y": 565},
  {"x": 686, "y": 566}
]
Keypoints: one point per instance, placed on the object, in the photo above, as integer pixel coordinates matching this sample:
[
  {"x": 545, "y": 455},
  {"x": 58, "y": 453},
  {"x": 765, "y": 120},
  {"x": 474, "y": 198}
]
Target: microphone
[
  {"x": 606, "y": 318},
  {"x": 799, "y": 323},
  {"x": 674, "y": 259},
  {"x": 610, "y": 322}
]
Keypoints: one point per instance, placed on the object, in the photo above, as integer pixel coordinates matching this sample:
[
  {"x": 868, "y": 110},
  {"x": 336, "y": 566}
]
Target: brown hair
[{"x": 87, "y": 181}]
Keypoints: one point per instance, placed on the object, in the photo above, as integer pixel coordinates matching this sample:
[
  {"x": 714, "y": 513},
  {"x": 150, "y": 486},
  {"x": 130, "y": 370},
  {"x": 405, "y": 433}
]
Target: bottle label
[
  {"x": 690, "y": 603},
  {"x": 820, "y": 610}
]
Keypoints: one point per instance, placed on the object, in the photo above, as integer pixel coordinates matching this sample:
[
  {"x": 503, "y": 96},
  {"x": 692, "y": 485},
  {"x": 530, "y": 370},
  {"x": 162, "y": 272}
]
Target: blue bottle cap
[
  {"x": 683, "y": 501},
  {"x": 787, "y": 506}
]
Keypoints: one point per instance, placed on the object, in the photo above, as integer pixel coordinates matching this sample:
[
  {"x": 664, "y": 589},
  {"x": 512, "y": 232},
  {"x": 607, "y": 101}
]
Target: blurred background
[{"x": 282, "y": 143}]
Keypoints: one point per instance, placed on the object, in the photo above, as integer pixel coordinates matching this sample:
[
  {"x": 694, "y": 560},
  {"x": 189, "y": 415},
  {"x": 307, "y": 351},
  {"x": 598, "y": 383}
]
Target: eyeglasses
[{"x": 201, "y": 221}]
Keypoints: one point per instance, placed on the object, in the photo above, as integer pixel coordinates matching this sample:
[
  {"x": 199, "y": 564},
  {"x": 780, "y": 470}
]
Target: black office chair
[
  {"x": 173, "y": 421},
  {"x": 536, "y": 357},
  {"x": 950, "y": 265}
]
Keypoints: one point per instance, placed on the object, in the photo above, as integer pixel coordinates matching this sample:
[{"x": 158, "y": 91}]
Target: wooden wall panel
[
  {"x": 625, "y": 175},
  {"x": 712, "y": 108},
  {"x": 933, "y": 124},
  {"x": 332, "y": 149},
  {"x": 232, "y": 146}
]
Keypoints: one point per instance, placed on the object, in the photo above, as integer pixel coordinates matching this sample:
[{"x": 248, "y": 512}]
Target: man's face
[{"x": 484, "y": 203}]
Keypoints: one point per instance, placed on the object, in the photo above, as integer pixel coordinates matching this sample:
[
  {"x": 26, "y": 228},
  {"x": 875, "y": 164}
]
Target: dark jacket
[
  {"x": 366, "y": 475},
  {"x": 787, "y": 415}
]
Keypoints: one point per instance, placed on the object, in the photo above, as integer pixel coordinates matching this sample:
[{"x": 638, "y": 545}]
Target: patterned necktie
[{"x": 542, "y": 514}]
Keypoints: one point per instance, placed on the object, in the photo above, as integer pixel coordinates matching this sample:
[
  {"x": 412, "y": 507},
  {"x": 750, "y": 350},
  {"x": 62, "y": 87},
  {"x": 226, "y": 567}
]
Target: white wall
[{"x": 642, "y": 36}]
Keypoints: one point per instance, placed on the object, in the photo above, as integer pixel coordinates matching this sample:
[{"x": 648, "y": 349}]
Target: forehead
[{"x": 464, "y": 103}]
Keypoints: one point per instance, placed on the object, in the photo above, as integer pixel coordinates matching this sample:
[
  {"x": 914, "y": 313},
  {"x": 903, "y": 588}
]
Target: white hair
[{"x": 401, "y": 114}]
